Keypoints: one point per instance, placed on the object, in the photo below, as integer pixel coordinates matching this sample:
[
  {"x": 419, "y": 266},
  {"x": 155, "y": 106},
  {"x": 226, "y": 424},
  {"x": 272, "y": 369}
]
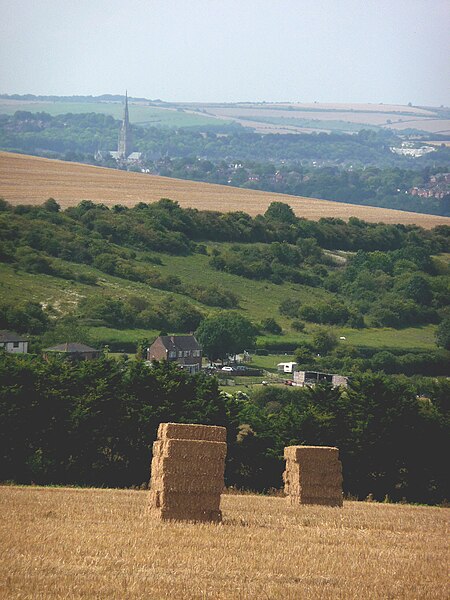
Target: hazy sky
[{"x": 391, "y": 51}]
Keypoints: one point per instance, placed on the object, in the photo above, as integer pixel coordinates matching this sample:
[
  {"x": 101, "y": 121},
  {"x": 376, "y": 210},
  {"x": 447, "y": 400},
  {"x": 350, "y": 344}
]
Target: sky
[{"x": 390, "y": 51}]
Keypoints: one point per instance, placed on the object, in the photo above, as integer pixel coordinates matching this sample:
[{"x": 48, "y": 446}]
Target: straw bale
[
  {"x": 190, "y": 449},
  {"x": 311, "y": 453},
  {"x": 297, "y": 470},
  {"x": 182, "y": 431},
  {"x": 328, "y": 480},
  {"x": 203, "y": 468},
  {"x": 187, "y": 472},
  {"x": 201, "y": 485},
  {"x": 164, "y": 507},
  {"x": 313, "y": 475}
]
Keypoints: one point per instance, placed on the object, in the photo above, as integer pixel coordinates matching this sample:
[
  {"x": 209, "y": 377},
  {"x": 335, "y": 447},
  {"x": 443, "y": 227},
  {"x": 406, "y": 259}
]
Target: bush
[
  {"x": 298, "y": 325},
  {"x": 271, "y": 326},
  {"x": 289, "y": 307}
]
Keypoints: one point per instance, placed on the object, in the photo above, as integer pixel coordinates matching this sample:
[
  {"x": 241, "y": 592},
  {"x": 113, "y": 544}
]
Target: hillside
[
  {"x": 104, "y": 544},
  {"x": 32, "y": 180}
]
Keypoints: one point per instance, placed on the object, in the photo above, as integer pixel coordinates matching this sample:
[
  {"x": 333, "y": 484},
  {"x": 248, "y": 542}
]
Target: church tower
[{"x": 125, "y": 145}]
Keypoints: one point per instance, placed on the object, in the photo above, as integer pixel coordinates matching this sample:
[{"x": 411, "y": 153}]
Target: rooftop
[
  {"x": 12, "y": 336},
  {"x": 71, "y": 348}
]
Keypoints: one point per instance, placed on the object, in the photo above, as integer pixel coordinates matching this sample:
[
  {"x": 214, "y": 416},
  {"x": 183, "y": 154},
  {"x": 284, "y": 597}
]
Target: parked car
[{"x": 228, "y": 369}]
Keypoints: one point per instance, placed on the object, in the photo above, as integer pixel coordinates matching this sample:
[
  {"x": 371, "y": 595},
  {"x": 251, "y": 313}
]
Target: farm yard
[
  {"x": 32, "y": 180},
  {"x": 104, "y": 543}
]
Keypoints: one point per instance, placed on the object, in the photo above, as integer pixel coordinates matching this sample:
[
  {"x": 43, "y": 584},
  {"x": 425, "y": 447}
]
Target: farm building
[
  {"x": 313, "y": 377},
  {"x": 181, "y": 349},
  {"x": 72, "y": 351},
  {"x": 13, "y": 342}
]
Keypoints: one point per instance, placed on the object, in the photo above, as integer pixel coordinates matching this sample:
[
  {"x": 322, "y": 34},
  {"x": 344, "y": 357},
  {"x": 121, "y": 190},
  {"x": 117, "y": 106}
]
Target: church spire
[
  {"x": 125, "y": 112},
  {"x": 125, "y": 145}
]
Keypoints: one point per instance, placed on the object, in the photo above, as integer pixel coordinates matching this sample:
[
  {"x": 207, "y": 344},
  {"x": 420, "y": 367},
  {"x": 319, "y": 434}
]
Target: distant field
[
  {"x": 346, "y": 118},
  {"x": 32, "y": 180},
  {"x": 139, "y": 113},
  {"x": 264, "y": 117},
  {"x": 92, "y": 543},
  {"x": 431, "y": 126}
]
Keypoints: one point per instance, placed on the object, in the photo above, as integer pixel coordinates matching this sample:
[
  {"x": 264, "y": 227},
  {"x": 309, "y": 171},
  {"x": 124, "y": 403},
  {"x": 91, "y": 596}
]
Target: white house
[
  {"x": 11, "y": 341},
  {"x": 286, "y": 367}
]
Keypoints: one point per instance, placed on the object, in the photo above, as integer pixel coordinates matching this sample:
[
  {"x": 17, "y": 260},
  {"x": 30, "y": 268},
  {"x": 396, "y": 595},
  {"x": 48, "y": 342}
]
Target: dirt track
[{"x": 31, "y": 180}]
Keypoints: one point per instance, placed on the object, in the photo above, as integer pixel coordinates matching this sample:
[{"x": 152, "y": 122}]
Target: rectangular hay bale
[
  {"x": 190, "y": 449},
  {"x": 183, "y": 431},
  {"x": 311, "y": 453}
]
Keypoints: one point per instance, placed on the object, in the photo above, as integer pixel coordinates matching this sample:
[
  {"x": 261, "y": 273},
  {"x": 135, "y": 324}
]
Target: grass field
[
  {"x": 92, "y": 544},
  {"x": 139, "y": 113},
  {"x": 32, "y": 180}
]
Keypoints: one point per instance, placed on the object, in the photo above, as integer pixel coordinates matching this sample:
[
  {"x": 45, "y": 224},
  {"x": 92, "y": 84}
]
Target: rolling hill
[{"x": 32, "y": 180}]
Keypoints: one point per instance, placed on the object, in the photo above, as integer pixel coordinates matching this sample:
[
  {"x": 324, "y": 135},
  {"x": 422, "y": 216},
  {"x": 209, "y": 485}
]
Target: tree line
[{"x": 93, "y": 423}]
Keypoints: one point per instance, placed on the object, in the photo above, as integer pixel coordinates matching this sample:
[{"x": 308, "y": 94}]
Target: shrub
[{"x": 271, "y": 326}]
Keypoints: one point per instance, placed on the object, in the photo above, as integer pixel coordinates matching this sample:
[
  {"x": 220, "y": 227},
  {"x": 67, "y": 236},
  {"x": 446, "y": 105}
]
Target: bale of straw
[
  {"x": 189, "y": 485},
  {"x": 313, "y": 475},
  {"x": 310, "y": 453},
  {"x": 182, "y": 431},
  {"x": 190, "y": 449},
  {"x": 187, "y": 474},
  {"x": 184, "y": 468}
]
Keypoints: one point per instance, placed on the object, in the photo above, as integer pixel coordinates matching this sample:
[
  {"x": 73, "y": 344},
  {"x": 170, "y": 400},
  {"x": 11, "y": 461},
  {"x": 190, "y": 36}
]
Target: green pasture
[
  {"x": 257, "y": 300},
  {"x": 410, "y": 338},
  {"x": 139, "y": 113},
  {"x": 329, "y": 125}
]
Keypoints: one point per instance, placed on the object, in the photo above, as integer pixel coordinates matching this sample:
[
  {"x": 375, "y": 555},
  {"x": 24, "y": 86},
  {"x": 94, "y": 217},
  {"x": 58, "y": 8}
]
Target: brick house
[
  {"x": 13, "y": 342},
  {"x": 182, "y": 349}
]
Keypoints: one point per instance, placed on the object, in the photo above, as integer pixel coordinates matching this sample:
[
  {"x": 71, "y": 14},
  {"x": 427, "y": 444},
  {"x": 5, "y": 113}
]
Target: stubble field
[
  {"x": 32, "y": 180},
  {"x": 90, "y": 543}
]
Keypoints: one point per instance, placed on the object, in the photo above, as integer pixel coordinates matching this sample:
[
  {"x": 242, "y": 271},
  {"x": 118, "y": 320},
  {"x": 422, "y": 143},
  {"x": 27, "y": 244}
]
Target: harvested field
[
  {"x": 369, "y": 117},
  {"x": 90, "y": 543},
  {"x": 441, "y": 126},
  {"x": 32, "y": 180}
]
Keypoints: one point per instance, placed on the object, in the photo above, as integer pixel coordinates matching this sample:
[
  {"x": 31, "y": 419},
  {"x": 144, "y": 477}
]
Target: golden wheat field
[
  {"x": 32, "y": 180},
  {"x": 90, "y": 543}
]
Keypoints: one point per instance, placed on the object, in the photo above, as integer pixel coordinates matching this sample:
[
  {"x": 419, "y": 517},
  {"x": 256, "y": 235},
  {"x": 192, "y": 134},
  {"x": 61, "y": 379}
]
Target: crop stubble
[
  {"x": 32, "y": 180},
  {"x": 87, "y": 543}
]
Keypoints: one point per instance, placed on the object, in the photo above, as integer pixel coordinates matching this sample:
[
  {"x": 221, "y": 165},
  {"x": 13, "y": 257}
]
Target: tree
[
  {"x": 324, "y": 341},
  {"x": 281, "y": 212},
  {"x": 271, "y": 326},
  {"x": 443, "y": 334},
  {"x": 226, "y": 334},
  {"x": 51, "y": 205}
]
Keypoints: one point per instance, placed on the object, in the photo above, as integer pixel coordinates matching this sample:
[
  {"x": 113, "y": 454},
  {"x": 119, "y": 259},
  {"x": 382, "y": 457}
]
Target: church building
[{"x": 124, "y": 152}]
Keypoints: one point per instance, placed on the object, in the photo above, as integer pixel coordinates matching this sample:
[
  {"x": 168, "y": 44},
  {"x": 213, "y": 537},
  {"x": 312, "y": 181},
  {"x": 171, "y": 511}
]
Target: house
[
  {"x": 181, "y": 349},
  {"x": 13, "y": 342},
  {"x": 72, "y": 351},
  {"x": 304, "y": 378},
  {"x": 286, "y": 367}
]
